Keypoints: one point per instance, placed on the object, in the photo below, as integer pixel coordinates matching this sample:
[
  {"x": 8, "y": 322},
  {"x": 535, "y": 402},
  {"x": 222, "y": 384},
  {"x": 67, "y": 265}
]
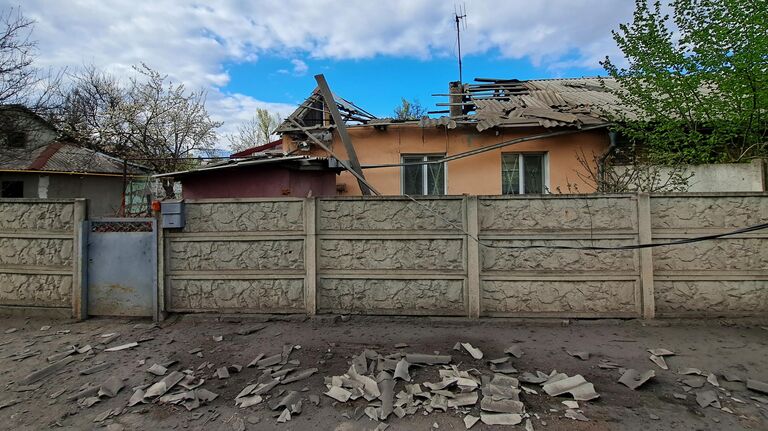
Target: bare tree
[
  {"x": 637, "y": 176},
  {"x": 151, "y": 120},
  {"x": 256, "y": 131},
  {"x": 20, "y": 81}
]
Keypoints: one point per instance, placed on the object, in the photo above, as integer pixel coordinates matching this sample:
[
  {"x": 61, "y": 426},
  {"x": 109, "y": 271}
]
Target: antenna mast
[{"x": 460, "y": 18}]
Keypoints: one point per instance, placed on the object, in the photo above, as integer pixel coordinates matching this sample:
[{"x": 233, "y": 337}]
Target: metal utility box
[{"x": 173, "y": 214}]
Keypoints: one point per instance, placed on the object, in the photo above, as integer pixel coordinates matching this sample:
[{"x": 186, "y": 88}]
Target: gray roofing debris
[
  {"x": 473, "y": 351},
  {"x": 659, "y": 360},
  {"x": 579, "y": 354},
  {"x": 576, "y": 385},
  {"x": 757, "y": 386},
  {"x": 633, "y": 379}
]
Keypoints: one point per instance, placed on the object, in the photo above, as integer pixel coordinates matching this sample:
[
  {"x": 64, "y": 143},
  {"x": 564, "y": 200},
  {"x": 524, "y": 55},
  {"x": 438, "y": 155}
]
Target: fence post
[
  {"x": 310, "y": 255},
  {"x": 79, "y": 261},
  {"x": 646, "y": 255},
  {"x": 473, "y": 259},
  {"x": 160, "y": 311}
]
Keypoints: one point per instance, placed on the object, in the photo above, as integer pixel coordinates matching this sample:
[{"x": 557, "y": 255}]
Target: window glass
[
  {"x": 413, "y": 179},
  {"x": 435, "y": 176},
  {"x": 510, "y": 174},
  {"x": 533, "y": 165}
]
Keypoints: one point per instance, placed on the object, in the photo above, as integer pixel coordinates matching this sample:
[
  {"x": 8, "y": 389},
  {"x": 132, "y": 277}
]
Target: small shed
[{"x": 260, "y": 175}]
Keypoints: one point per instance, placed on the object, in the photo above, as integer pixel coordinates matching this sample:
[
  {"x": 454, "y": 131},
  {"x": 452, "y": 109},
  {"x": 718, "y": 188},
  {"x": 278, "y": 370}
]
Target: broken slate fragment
[
  {"x": 222, "y": 373},
  {"x": 501, "y": 419},
  {"x": 757, "y": 386},
  {"x": 470, "y": 421},
  {"x": 571, "y": 404},
  {"x": 160, "y": 388},
  {"x": 514, "y": 350},
  {"x": 690, "y": 371},
  {"x": 488, "y": 404},
  {"x": 473, "y": 351},
  {"x": 661, "y": 352},
  {"x": 339, "y": 394},
  {"x": 122, "y": 347},
  {"x": 706, "y": 398},
  {"x": 111, "y": 387},
  {"x": 573, "y": 414},
  {"x": 401, "y": 370},
  {"x": 694, "y": 382},
  {"x": 579, "y": 354},
  {"x": 577, "y": 386},
  {"x": 633, "y": 379},
  {"x": 659, "y": 360},
  {"x": 157, "y": 370},
  {"x": 712, "y": 379}
]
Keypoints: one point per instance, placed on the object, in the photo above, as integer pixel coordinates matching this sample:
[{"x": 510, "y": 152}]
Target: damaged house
[{"x": 499, "y": 137}]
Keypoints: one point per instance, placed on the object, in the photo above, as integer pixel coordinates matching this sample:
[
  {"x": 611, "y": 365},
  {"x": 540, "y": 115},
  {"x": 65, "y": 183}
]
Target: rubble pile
[{"x": 387, "y": 384}]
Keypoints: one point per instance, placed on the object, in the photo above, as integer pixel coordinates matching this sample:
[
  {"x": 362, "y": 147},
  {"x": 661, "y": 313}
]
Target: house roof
[
  {"x": 67, "y": 157},
  {"x": 572, "y": 102},
  {"x": 253, "y": 150},
  {"x": 313, "y": 115},
  {"x": 300, "y": 162},
  {"x": 489, "y": 103}
]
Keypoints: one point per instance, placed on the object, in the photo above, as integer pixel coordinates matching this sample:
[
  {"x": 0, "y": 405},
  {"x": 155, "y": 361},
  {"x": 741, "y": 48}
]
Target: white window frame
[
  {"x": 521, "y": 170},
  {"x": 425, "y": 179}
]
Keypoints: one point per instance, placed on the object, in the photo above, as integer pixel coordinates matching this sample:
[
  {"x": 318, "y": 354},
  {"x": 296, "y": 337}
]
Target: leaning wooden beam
[
  {"x": 360, "y": 178},
  {"x": 330, "y": 104}
]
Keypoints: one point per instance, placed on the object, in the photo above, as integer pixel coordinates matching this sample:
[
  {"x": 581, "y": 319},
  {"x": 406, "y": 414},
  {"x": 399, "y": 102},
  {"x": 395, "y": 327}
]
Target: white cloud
[
  {"x": 191, "y": 41},
  {"x": 299, "y": 67}
]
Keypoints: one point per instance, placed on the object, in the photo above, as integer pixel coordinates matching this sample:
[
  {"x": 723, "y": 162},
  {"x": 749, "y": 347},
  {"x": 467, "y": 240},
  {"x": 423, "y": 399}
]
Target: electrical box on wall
[{"x": 173, "y": 214}]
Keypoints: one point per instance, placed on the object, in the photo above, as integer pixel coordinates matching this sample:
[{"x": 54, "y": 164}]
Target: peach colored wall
[{"x": 475, "y": 175}]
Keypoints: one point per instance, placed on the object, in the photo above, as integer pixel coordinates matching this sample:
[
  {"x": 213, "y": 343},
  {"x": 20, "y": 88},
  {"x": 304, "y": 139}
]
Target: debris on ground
[
  {"x": 633, "y": 379},
  {"x": 579, "y": 354}
]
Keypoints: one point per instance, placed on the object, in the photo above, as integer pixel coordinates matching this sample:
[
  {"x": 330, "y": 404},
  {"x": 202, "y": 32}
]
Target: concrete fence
[
  {"x": 393, "y": 256},
  {"x": 40, "y": 249}
]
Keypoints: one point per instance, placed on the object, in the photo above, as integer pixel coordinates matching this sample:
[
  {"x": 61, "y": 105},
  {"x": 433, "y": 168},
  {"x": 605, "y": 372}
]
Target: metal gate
[{"x": 121, "y": 273}]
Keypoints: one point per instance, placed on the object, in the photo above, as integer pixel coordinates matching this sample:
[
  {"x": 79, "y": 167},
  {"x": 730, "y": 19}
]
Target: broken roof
[
  {"x": 65, "y": 157},
  {"x": 313, "y": 115},
  {"x": 572, "y": 102},
  {"x": 489, "y": 103}
]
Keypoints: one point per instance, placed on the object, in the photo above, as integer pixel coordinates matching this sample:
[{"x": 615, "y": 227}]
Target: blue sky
[
  {"x": 250, "y": 54},
  {"x": 378, "y": 83}
]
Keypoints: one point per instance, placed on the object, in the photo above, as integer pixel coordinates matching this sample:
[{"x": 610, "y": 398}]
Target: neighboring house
[
  {"x": 37, "y": 162},
  {"x": 482, "y": 115},
  {"x": 255, "y": 173}
]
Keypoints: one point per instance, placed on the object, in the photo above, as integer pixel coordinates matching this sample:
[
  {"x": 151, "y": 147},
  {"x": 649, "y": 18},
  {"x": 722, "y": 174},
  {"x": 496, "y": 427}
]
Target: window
[
  {"x": 522, "y": 173},
  {"x": 423, "y": 179},
  {"x": 12, "y": 189}
]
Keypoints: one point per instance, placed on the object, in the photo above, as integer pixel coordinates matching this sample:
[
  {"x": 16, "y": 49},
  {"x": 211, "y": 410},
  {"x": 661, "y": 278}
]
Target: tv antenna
[{"x": 460, "y": 16}]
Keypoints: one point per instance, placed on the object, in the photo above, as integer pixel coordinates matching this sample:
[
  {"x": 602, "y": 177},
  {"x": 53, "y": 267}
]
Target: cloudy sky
[{"x": 251, "y": 54}]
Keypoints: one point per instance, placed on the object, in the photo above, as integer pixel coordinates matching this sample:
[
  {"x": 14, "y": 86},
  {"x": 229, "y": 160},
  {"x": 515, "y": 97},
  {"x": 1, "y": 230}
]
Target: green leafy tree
[
  {"x": 696, "y": 83},
  {"x": 409, "y": 110}
]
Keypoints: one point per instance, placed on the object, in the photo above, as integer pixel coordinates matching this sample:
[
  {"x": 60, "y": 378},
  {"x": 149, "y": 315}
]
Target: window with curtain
[
  {"x": 420, "y": 178},
  {"x": 522, "y": 173}
]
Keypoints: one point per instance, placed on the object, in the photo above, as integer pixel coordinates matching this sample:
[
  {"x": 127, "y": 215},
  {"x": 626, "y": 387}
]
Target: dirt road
[{"x": 734, "y": 350}]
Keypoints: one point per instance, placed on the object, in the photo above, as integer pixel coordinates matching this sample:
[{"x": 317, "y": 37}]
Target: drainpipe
[{"x": 612, "y": 135}]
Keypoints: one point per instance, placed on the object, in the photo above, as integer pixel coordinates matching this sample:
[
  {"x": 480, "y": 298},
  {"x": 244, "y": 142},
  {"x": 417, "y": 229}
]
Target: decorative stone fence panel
[
  {"x": 726, "y": 277},
  {"x": 528, "y": 282},
  {"x": 390, "y": 255},
  {"x": 237, "y": 256},
  {"x": 40, "y": 255}
]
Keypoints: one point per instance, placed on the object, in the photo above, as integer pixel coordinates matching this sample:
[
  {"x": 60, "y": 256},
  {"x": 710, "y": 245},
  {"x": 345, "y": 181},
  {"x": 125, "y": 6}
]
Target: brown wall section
[{"x": 475, "y": 175}]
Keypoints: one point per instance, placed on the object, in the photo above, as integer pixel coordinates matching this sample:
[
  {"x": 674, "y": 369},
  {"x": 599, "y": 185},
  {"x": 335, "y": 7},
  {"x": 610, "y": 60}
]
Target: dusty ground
[{"x": 326, "y": 343}]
